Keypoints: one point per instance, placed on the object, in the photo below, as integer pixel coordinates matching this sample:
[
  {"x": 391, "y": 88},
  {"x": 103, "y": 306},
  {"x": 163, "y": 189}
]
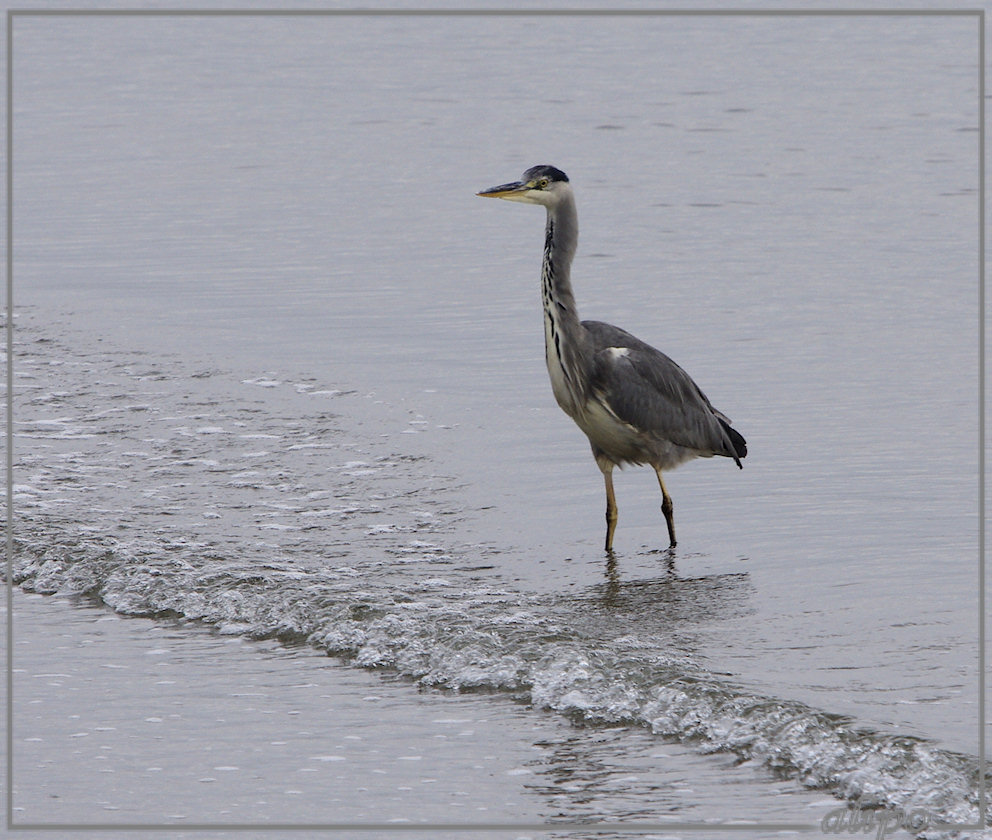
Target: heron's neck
[
  {"x": 563, "y": 333},
  {"x": 561, "y": 235}
]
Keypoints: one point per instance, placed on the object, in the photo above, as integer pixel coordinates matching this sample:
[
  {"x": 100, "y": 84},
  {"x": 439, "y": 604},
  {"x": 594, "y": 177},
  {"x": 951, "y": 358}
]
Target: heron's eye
[{"x": 542, "y": 183}]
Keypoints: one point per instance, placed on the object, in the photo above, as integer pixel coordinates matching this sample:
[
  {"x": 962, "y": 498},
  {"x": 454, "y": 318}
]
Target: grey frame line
[
  {"x": 495, "y": 12},
  {"x": 982, "y": 674},
  {"x": 9, "y": 426},
  {"x": 546, "y": 828}
]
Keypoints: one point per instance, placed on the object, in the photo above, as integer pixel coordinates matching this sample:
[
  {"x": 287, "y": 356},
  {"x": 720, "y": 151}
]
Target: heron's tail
[{"x": 736, "y": 440}]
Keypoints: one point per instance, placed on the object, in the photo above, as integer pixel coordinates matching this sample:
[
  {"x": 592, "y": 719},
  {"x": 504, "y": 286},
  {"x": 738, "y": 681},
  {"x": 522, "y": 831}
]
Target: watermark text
[{"x": 882, "y": 822}]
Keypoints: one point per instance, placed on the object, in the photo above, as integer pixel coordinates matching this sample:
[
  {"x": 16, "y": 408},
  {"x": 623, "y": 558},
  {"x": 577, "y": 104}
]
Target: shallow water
[
  {"x": 123, "y": 721},
  {"x": 281, "y": 372}
]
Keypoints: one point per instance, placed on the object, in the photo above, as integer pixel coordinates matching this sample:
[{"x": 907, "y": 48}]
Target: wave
[{"x": 553, "y": 654}]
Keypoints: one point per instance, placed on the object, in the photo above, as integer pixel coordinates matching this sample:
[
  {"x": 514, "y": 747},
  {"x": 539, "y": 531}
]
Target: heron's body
[{"x": 634, "y": 403}]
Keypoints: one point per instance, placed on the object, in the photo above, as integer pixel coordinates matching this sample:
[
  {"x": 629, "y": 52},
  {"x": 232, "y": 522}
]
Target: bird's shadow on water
[
  {"x": 666, "y": 558},
  {"x": 665, "y": 603}
]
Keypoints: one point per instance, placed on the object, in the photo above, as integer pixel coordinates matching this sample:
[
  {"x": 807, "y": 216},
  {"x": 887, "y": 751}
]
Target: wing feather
[{"x": 645, "y": 389}]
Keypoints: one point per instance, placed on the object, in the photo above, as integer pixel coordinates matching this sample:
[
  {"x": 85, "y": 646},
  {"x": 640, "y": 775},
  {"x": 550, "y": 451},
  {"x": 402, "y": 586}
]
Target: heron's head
[{"x": 542, "y": 185}]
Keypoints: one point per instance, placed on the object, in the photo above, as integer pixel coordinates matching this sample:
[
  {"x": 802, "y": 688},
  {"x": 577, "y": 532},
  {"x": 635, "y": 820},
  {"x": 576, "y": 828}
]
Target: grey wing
[{"x": 647, "y": 390}]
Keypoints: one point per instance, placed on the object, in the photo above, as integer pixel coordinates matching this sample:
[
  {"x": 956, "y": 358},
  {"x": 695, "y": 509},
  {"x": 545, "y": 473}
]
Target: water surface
[{"x": 281, "y": 372}]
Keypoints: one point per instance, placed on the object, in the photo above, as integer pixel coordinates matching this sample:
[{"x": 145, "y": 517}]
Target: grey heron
[{"x": 634, "y": 403}]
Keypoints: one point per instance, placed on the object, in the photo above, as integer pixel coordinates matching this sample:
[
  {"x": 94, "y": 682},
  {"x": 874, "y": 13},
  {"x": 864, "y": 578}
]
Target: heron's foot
[
  {"x": 672, "y": 542},
  {"x": 668, "y": 508},
  {"x": 611, "y": 526}
]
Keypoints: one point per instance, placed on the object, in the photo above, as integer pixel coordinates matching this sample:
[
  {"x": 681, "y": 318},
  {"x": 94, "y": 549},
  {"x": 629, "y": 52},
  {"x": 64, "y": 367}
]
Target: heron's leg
[
  {"x": 667, "y": 508},
  {"x": 611, "y": 505}
]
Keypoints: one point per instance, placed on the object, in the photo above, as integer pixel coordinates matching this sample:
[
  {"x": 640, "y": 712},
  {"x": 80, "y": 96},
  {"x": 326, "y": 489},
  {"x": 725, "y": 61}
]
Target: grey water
[{"x": 279, "y": 372}]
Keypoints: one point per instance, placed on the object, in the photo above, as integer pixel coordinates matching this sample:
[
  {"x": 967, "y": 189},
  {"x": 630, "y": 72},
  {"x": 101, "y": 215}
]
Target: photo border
[{"x": 551, "y": 827}]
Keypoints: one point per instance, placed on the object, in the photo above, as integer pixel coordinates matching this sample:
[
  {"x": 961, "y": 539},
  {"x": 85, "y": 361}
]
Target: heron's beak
[{"x": 505, "y": 190}]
